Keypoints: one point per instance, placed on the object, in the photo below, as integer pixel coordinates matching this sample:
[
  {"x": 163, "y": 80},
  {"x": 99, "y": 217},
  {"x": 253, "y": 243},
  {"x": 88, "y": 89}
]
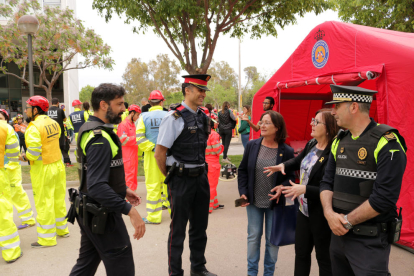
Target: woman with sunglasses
[{"x": 312, "y": 229}]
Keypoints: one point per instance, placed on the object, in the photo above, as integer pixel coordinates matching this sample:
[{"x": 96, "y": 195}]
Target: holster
[
  {"x": 395, "y": 229},
  {"x": 170, "y": 173},
  {"x": 100, "y": 215}
]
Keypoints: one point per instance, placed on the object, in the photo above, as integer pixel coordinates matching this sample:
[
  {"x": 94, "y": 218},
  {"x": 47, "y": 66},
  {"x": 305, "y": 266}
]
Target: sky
[{"x": 267, "y": 53}]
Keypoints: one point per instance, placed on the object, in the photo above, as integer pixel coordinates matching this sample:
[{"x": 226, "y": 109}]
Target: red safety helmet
[
  {"x": 156, "y": 95},
  {"x": 76, "y": 102},
  {"x": 5, "y": 112},
  {"x": 134, "y": 107},
  {"x": 39, "y": 101}
]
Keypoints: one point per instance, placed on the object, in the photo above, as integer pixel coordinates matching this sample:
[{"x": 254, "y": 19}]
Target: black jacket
[
  {"x": 247, "y": 168},
  {"x": 315, "y": 177}
]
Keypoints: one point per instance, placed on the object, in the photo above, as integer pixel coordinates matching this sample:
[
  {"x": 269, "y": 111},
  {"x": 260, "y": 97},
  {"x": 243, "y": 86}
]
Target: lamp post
[{"x": 28, "y": 24}]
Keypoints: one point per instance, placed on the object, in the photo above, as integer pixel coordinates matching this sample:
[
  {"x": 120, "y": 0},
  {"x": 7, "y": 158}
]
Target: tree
[
  {"x": 85, "y": 94},
  {"x": 251, "y": 75},
  {"x": 192, "y": 26},
  {"x": 59, "y": 39},
  {"x": 141, "y": 78},
  {"x": 395, "y": 15},
  {"x": 255, "y": 81},
  {"x": 222, "y": 73},
  {"x": 219, "y": 94}
]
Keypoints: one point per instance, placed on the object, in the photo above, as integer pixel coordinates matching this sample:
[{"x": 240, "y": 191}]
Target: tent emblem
[{"x": 320, "y": 54}]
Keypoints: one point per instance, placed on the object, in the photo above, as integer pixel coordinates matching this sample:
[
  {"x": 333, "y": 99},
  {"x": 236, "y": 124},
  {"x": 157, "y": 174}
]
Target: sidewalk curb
[{"x": 74, "y": 184}]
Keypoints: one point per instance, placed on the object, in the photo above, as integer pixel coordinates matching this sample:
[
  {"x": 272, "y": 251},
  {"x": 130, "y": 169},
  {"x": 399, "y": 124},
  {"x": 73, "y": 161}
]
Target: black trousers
[
  {"x": 310, "y": 233},
  {"x": 64, "y": 148},
  {"x": 226, "y": 135},
  {"x": 360, "y": 255},
  {"x": 189, "y": 198},
  {"x": 113, "y": 248}
]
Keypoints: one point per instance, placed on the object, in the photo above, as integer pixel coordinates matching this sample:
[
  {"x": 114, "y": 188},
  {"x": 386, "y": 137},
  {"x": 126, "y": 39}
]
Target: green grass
[{"x": 72, "y": 172}]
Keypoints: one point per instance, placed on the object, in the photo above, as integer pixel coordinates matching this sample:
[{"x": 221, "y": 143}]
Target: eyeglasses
[
  {"x": 260, "y": 123},
  {"x": 266, "y": 103},
  {"x": 316, "y": 122}
]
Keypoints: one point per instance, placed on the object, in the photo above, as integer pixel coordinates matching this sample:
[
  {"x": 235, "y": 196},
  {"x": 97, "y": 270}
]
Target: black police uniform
[
  {"x": 354, "y": 175},
  {"x": 105, "y": 186}
]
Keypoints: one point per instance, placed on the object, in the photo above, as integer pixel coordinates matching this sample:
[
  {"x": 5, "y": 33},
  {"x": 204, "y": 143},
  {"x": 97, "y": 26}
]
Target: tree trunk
[{"x": 49, "y": 94}]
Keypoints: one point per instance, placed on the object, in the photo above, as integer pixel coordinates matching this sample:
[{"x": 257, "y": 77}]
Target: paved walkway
[{"x": 226, "y": 247}]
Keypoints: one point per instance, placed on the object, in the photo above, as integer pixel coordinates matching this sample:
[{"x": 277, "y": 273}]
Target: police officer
[
  {"x": 103, "y": 190},
  {"x": 181, "y": 143},
  {"x": 361, "y": 186},
  {"x": 147, "y": 134}
]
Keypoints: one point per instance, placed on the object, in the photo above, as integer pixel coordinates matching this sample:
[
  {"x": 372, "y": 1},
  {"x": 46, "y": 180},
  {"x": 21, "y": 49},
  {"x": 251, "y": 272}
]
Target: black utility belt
[
  {"x": 181, "y": 170},
  {"x": 371, "y": 230},
  {"x": 392, "y": 229}
]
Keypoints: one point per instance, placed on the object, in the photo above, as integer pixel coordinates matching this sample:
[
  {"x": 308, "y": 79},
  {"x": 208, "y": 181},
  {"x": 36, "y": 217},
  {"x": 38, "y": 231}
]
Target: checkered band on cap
[
  {"x": 352, "y": 98},
  {"x": 356, "y": 173}
]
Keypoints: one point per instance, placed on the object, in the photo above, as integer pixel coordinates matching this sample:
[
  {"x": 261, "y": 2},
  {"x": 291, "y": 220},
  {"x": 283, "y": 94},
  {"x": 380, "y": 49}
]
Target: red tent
[{"x": 347, "y": 54}]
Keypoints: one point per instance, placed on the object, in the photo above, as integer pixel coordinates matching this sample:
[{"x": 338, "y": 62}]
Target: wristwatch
[{"x": 347, "y": 225}]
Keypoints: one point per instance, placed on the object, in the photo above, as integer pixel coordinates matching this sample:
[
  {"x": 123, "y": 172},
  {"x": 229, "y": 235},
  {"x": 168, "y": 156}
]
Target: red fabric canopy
[{"x": 349, "y": 54}]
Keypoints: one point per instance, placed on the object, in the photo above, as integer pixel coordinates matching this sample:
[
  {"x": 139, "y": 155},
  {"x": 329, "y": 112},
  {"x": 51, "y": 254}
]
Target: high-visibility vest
[
  {"x": 49, "y": 133},
  {"x": 3, "y": 139},
  {"x": 214, "y": 146}
]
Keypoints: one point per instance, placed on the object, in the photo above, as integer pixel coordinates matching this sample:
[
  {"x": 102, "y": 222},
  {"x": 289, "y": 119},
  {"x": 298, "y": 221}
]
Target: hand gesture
[
  {"x": 293, "y": 191},
  {"x": 336, "y": 223},
  {"x": 133, "y": 197},
  {"x": 278, "y": 168},
  {"x": 245, "y": 117},
  {"x": 22, "y": 157},
  {"x": 278, "y": 190},
  {"x": 245, "y": 204},
  {"x": 137, "y": 223}
]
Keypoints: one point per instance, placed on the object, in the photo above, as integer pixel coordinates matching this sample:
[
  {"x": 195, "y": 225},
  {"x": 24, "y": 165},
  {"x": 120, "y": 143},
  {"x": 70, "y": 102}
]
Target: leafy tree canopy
[
  {"x": 395, "y": 15},
  {"x": 85, "y": 94},
  {"x": 140, "y": 78},
  {"x": 189, "y": 26},
  {"x": 60, "y": 37}
]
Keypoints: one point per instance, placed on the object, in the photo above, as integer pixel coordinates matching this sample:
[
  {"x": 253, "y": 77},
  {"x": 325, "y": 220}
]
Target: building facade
[{"x": 14, "y": 92}]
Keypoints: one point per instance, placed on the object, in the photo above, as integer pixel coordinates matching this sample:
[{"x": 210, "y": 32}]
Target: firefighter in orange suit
[
  {"x": 47, "y": 173},
  {"x": 213, "y": 151},
  {"x": 127, "y": 134}
]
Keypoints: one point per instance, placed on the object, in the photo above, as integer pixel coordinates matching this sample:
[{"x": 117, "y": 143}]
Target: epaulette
[
  {"x": 97, "y": 131},
  {"x": 175, "y": 106},
  {"x": 389, "y": 136},
  {"x": 176, "y": 115}
]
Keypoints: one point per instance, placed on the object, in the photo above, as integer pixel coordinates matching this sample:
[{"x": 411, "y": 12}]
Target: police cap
[
  {"x": 199, "y": 81},
  {"x": 356, "y": 94}
]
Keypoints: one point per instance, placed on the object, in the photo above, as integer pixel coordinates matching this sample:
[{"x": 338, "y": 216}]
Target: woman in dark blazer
[
  {"x": 255, "y": 187},
  {"x": 312, "y": 229}
]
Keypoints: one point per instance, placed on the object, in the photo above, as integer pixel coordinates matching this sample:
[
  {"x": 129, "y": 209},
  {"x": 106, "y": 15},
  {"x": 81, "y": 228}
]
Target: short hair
[
  {"x": 144, "y": 100},
  {"x": 184, "y": 85},
  {"x": 126, "y": 105},
  {"x": 5, "y": 116},
  {"x": 332, "y": 127},
  {"x": 39, "y": 110},
  {"x": 106, "y": 92},
  {"x": 271, "y": 99},
  {"x": 209, "y": 107},
  {"x": 364, "y": 107},
  {"x": 86, "y": 106},
  {"x": 55, "y": 101},
  {"x": 279, "y": 122}
]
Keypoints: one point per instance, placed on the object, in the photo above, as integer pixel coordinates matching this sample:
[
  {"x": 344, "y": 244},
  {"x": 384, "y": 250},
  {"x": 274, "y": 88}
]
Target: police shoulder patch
[
  {"x": 390, "y": 136},
  {"x": 176, "y": 115}
]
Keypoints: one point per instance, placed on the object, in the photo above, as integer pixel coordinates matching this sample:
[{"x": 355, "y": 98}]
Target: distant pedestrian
[
  {"x": 87, "y": 107},
  {"x": 145, "y": 105},
  {"x": 268, "y": 104},
  {"x": 227, "y": 121},
  {"x": 244, "y": 129}
]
